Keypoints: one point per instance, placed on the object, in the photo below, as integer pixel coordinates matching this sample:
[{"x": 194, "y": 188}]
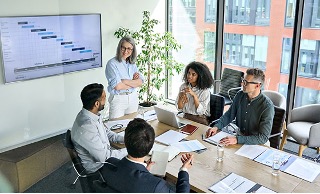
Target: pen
[{"x": 285, "y": 162}]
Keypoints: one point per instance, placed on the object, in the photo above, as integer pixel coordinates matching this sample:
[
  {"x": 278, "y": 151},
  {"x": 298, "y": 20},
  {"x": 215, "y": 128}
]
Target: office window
[
  {"x": 250, "y": 12},
  {"x": 311, "y": 13},
  {"x": 209, "y": 46},
  {"x": 304, "y": 96},
  {"x": 308, "y": 58},
  {"x": 262, "y": 12},
  {"x": 245, "y": 50},
  {"x": 194, "y": 33},
  {"x": 257, "y": 42},
  {"x": 210, "y": 10}
]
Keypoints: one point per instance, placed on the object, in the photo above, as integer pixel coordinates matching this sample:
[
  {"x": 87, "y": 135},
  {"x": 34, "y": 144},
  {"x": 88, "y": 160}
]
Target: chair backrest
[
  {"x": 231, "y": 78},
  {"x": 67, "y": 142},
  {"x": 216, "y": 107},
  {"x": 278, "y": 119},
  {"x": 278, "y": 99}
]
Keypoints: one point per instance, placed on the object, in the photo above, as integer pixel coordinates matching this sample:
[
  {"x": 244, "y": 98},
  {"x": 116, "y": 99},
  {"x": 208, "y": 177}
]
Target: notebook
[
  {"x": 168, "y": 117},
  {"x": 173, "y": 151},
  {"x": 160, "y": 166},
  {"x": 189, "y": 129}
]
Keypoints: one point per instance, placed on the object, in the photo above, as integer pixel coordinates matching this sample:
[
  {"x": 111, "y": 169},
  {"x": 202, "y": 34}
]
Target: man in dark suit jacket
[{"x": 131, "y": 174}]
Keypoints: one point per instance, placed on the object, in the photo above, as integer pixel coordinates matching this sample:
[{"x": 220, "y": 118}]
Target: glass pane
[
  {"x": 257, "y": 44},
  {"x": 308, "y": 82},
  {"x": 193, "y": 25}
]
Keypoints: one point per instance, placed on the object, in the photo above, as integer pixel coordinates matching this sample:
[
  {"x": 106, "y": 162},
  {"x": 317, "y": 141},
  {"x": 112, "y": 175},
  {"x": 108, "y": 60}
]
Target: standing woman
[
  {"x": 194, "y": 96},
  {"x": 123, "y": 78}
]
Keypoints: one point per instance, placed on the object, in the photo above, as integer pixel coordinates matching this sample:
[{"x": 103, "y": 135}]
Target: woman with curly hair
[{"x": 194, "y": 96}]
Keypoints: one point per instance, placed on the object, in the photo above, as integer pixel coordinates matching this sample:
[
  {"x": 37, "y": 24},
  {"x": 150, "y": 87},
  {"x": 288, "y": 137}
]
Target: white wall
[{"x": 37, "y": 109}]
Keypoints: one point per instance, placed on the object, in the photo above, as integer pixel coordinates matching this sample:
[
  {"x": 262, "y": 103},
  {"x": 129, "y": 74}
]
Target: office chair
[
  {"x": 278, "y": 120},
  {"x": 304, "y": 127},
  {"x": 216, "y": 108},
  {"x": 86, "y": 179},
  {"x": 278, "y": 99},
  {"x": 230, "y": 84}
]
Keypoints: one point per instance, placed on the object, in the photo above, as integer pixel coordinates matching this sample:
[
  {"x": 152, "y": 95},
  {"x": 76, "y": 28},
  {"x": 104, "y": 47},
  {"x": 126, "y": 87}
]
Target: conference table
[{"x": 206, "y": 171}]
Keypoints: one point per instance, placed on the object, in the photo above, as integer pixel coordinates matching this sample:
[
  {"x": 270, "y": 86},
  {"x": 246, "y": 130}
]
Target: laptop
[{"x": 168, "y": 117}]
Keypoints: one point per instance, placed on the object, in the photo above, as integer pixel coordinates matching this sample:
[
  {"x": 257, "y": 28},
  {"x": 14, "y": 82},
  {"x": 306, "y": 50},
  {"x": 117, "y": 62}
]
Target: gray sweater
[{"x": 254, "y": 118}]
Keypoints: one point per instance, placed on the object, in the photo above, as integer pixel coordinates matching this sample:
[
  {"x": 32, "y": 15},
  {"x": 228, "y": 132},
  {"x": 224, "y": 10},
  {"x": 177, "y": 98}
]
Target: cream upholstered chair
[
  {"x": 304, "y": 127},
  {"x": 278, "y": 99}
]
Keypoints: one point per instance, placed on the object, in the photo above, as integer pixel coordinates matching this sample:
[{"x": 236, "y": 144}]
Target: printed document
[
  {"x": 251, "y": 151},
  {"x": 303, "y": 169},
  {"x": 234, "y": 183},
  {"x": 189, "y": 146},
  {"x": 170, "y": 137}
]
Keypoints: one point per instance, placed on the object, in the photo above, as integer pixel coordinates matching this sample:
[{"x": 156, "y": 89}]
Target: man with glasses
[
  {"x": 123, "y": 78},
  {"x": 90, "y": 138},
  {"x": 252, "y": 111}
]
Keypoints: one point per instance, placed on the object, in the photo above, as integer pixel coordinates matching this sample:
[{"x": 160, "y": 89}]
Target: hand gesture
[
  {"x": 187, "y": 160},
  {"x": 211, "y": 131},
  {"x": 188, "y": 90},
  {"x": 229, "y": 140},
  {"x": 136, "y": 75},
  {"x": 149, "y": 164},
  {"x": 183, "y": 97}
]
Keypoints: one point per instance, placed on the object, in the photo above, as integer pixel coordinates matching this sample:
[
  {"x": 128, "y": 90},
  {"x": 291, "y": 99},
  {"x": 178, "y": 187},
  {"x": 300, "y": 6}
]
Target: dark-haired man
[
  {"x": 131, "y": 174},
  {"x": 253, "y": 112},
  {"x": 89, "y": 136}
]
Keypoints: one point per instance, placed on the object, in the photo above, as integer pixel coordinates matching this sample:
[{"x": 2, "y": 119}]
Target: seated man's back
[
  {"x": 129, "y": 177},
  {"x": 131, "y": 174}
]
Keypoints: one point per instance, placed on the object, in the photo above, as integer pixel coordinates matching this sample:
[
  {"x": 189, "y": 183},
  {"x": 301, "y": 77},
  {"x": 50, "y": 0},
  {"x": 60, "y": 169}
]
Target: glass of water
[
  {"x": 141, "y": 111},
  {"x": 220, "y": 152},
  {"x": 276, "y": 165}
]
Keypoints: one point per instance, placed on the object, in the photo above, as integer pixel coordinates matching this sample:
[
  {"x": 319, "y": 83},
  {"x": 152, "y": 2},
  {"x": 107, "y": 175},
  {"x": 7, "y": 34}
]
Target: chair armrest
[
  {"x": 213, "y": 123},
  {"x": 274, "y": 135},
  {"x": 314, "y": 136},
  {"x": 231, "y": 89}
]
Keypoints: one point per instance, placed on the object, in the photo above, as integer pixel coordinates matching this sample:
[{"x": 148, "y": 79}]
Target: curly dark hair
[{"x": 205, "y": 79}]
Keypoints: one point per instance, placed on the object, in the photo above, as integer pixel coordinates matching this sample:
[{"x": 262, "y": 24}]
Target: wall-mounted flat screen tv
[{"x": 40, "y": 46}]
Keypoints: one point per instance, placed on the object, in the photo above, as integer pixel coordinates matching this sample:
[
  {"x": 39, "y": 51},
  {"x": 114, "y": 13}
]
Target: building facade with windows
[{"x": 257, "y": 33}]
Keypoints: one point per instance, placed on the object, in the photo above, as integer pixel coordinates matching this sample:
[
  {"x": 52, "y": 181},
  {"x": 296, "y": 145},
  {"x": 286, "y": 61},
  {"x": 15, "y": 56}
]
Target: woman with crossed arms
[
  {"x": 194, "y": 96},
  {"x": 123, "y": 78}
]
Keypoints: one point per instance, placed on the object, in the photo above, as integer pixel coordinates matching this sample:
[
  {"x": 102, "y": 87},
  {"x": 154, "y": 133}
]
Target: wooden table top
[{"x": 206, "y": 170}]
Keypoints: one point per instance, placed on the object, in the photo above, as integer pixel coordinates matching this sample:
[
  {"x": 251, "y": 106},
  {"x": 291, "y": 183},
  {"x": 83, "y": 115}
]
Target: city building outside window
[{"x": 257, "y": 33}]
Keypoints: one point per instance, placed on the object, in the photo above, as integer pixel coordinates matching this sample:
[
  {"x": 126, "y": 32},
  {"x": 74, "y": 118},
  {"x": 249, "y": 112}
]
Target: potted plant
[{"x": 154, "y": 61}]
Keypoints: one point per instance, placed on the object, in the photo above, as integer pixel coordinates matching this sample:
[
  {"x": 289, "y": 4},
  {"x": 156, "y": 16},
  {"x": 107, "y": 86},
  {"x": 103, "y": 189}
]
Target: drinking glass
[
  {"x": 220, "y": 152},
  {"x": 141, "y": 111},
  {"x": 276, "y": 165}
]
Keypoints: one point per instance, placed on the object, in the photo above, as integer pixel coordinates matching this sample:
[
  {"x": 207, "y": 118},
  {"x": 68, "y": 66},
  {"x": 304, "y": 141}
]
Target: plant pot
[{"x": 147, "y": 104}]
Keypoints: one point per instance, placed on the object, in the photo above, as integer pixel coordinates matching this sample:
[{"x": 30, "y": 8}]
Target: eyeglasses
[
  {"x": 245, "y": 82},
  {"x": 126, "y": 48},
  {"x": 116, "y": 126}
]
